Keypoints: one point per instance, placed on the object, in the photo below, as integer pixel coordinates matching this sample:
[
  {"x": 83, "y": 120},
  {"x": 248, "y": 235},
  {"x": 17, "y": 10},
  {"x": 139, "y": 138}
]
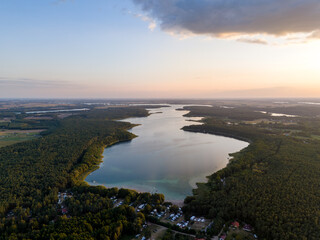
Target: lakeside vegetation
[
  {"x": 273, "y": 184},
  {"x": 33, "y": 172}
]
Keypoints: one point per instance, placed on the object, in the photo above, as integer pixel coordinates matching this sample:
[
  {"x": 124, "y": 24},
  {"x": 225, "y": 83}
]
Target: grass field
[{"x": 9, "y": 137}]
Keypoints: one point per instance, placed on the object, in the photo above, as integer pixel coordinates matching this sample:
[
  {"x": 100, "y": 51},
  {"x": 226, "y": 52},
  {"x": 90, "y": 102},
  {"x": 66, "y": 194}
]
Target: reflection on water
[{"x": 164, "y": 158}]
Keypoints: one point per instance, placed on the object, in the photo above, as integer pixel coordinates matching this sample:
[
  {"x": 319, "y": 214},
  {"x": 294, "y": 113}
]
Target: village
[{"x": 171, "y": 218}]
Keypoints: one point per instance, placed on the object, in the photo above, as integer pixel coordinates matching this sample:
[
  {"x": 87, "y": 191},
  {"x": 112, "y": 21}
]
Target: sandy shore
[{"x": 179, "y": 203}]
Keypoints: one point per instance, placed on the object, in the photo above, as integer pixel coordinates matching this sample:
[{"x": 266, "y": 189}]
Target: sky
[{"x": 159, "y": 49}]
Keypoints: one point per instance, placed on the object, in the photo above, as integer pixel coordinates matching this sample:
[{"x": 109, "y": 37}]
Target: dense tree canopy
[
  {"x": 33, "y": 172},
  {"x": 274, "y": 184}
]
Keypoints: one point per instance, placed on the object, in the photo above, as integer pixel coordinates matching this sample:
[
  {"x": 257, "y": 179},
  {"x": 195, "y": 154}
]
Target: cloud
[
  {"x": 233, "y": 18},
  {"x": 152, "y": 24},
  {"x": 31, "y": 83},
  {"x": 252, "y": 40},
  {"x": 314, "y": 35}
]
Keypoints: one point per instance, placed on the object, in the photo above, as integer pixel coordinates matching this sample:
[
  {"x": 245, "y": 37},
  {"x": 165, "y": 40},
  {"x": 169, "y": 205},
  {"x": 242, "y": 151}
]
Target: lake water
[{"x": 164, "y": 158}]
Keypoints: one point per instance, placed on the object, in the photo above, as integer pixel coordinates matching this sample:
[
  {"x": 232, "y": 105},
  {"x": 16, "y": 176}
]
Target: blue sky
[{"x": 105, "y": 48}]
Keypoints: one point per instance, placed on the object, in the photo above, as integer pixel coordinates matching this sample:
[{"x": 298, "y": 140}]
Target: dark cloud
[{"x": 222, "y": 18}]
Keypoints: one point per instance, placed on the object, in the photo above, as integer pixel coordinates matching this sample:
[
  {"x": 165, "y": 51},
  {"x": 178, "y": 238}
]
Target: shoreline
[
  {"x": 179, "y": 203},
  {"x": 96, "y": 165},
  {"x": 222, "y": 134}
]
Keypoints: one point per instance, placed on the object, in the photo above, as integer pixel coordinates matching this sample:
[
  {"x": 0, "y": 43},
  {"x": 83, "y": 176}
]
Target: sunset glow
[{"x": 110, "y": 49}]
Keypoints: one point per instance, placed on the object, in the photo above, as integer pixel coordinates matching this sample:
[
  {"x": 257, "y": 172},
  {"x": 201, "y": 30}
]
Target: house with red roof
[
  {"x": 235, "y": 224},
  {"x": 222, "y": 237},
  {"x": 64, "y": 211}
]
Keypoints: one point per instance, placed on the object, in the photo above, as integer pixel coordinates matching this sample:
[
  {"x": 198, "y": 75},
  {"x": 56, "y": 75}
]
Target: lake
[{"x": 164, "y": 158}]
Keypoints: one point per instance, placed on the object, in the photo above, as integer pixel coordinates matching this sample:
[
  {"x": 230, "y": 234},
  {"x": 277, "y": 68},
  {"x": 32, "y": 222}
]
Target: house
[
  {"x": 235, "y": 224},
  {"x": 64, "y": 210},
  {"x": 247, "y": 228},
  {"x": 142, "y": 206},
  {"x": 222, "y": 237}
]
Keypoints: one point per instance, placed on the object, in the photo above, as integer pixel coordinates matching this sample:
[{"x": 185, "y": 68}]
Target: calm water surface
[{"x": 164, "y": 158}]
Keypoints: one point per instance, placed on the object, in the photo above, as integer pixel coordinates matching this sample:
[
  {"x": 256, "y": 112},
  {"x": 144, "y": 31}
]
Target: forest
[
  {"x": 33, "y": 174},
  {"x": 274, "y": 184}
]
